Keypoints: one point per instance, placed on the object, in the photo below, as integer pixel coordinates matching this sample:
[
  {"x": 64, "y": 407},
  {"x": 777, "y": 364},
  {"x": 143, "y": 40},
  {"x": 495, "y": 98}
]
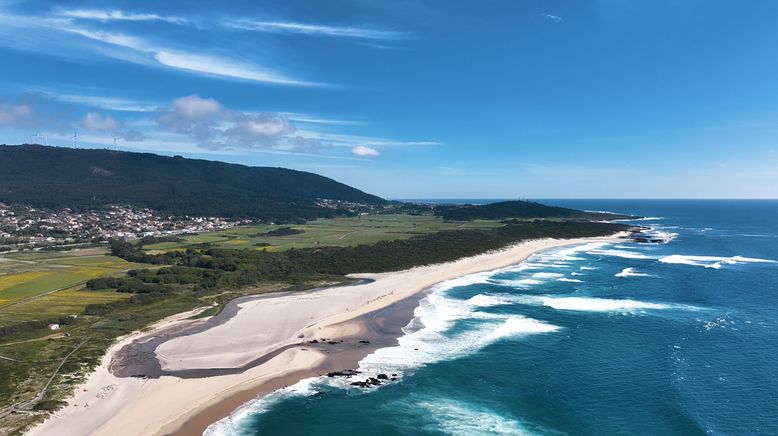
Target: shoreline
[
  {"x": 344, "y": 315},
  {"x": 397, "y": 315}
]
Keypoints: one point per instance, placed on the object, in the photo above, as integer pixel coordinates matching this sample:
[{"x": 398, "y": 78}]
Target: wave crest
[{"x": 714, "y": 262}]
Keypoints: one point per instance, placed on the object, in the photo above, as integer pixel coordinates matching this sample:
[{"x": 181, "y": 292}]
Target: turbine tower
[
  {"x": 75, "y": 139},
  {"x": 114, "y": 142}
]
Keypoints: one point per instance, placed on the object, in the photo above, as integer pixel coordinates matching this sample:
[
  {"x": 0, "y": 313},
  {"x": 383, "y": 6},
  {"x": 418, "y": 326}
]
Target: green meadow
[{"x": 341, "y": 232}]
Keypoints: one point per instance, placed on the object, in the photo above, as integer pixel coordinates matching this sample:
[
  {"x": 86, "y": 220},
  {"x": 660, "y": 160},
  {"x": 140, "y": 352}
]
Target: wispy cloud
[
  {"x": 551, "y": 17},
  {"x": 313, "y": 119},
  {"x": 107, "y": 103},
  {"x": 224, "y": 67},
  {"x": 350, "y": 141},
  {"x": 117, "y": 15},
  {"x": 134, "y": 49},
  {"x": 182, "y": 60},
  {"x": 315, "y": 29}
]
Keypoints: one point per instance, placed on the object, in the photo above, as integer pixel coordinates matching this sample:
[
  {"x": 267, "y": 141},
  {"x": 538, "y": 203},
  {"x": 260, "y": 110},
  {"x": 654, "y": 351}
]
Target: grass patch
[{"x": 339, "y": 232}]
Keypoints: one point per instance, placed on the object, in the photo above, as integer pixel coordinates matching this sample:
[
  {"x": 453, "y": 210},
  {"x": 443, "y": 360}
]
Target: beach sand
[{"x": 208, "y": 368}]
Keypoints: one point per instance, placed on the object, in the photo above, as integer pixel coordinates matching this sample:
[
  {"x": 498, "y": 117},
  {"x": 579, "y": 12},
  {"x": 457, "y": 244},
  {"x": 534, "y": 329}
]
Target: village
[{"x": 24, "y": 227}]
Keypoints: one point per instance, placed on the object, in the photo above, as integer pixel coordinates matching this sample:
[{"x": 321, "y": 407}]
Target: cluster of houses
[{"x": 29, "y": 226}]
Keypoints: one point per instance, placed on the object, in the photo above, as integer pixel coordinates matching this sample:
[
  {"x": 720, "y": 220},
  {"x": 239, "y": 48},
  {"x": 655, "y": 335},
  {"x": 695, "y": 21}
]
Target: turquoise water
[{"x": 624, "y": 338}]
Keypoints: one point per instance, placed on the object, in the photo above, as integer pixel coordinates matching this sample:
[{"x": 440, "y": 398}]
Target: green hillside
[
  {"x": 87, "y": 178},
  {"x": 517, "y": 209}
]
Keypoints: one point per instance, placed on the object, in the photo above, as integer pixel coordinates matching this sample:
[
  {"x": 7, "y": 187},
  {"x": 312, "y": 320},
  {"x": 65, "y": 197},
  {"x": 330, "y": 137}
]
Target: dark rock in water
[
  {"x": 374, "y": 381},
  {"x": 344, "y": 373},
  {"x": 360, "y": 384},
  {"x": 364, "y": 342},
  {"x": 382, "y": 376},
  {"x": 318, "y": 394},
  {"x": 394, "y": 374},
  {"x": 314, "y": 341}
]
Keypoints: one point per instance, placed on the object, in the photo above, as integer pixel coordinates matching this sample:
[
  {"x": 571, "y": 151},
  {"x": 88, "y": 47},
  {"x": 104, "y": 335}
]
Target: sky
[{"x": 414, "y": 99}]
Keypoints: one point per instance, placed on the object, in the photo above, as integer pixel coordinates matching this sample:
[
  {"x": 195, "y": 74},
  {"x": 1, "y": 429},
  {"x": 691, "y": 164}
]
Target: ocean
[{"x": 599, "y": 339}]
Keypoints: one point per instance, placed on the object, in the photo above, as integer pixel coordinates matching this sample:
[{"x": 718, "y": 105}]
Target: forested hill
[
  {"x": 45, "y": 176},
  {"x": 517, "y": 209}
]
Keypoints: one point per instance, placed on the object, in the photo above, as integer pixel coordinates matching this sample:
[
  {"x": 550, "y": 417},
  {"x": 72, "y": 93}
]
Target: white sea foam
[
  {"x": 587, "y": 268},
  {"x": 663, "y": 235},
  {"x": 517, "y": 326},
  {"x": 648, "y": 218},
  {"x": 565, "y": 279},
  {"x": 237, "y": 421},
  {"x": 460, "y": 418},
  {"x": 520, "y": 283},
  {"x": 619, "y": 253},
  {"x": 590, "y": 304},
  {"x": 581, "y": 304},
  {"x": 434, "y": 342},
  {"x": 488, "y": 300},
  {"x": 546, "y": 275},
  {"x": 715, "y": 262},
  {"x": 631, "y": 272}
]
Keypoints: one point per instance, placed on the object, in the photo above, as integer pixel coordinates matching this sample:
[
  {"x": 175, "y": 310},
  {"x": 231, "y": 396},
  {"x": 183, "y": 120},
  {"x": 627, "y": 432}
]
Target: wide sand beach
[{"x": 204, "y": 369}]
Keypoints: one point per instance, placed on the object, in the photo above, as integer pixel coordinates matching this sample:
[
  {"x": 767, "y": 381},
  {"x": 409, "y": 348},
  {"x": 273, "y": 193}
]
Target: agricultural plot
[
  {"x": 367, "y": 229},
  {"x": 36, "y": 285}
]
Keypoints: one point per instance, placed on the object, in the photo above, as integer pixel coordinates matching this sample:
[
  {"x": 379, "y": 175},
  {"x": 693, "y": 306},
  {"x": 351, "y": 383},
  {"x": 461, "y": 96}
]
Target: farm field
[
  {"x": 40, "y": 285},
  {"x": 342, "y": 232}
]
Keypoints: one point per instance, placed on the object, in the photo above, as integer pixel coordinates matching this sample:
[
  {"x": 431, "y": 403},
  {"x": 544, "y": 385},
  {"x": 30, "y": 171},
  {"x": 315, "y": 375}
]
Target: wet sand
[{"x": 381, "y": 328}]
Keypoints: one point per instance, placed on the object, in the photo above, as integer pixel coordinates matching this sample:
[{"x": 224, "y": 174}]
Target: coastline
[{"x": 344, "y": 315}]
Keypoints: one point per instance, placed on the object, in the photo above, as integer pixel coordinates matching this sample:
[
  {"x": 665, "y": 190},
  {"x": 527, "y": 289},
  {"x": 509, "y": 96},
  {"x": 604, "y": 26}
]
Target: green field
[
  {"x": 367, "y": 229},
  {"x": 41, "y": 285}
]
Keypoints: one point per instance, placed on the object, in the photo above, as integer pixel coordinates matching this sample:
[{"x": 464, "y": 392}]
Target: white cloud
[
  {"x": 194, "y": 106},
  {"x": 551, "y": 17},
  {"x": 223, "y": 67},
  {"x": 213, "y": 127},
  {"x": 361, "y": 150},
  {"x": 315, "y": 29},
  {"x": 15, "y": 115},
  {"x": 117, "y": 15},
  {"x": 95, "y": 121},
  {"x": 265, "y": 125}
]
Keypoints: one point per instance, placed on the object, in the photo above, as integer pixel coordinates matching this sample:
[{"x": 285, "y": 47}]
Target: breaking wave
[
  {"x": 715, "y": 262},
  {"x": 631, "y": 272}
]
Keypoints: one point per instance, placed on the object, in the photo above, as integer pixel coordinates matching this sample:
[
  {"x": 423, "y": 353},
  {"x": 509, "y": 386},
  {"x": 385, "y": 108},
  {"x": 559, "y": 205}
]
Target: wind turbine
[
  {"x": 114, "y": 142},
  {"x": 75, "y": 139},
  {"x": 35, "y": 138}
]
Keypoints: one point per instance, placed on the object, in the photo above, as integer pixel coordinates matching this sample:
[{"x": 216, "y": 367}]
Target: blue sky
[{"x": 422, "y": 99}]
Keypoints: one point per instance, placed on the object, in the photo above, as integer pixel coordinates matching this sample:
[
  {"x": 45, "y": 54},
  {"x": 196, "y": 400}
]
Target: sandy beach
[{"x": 207, "y": 368}]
